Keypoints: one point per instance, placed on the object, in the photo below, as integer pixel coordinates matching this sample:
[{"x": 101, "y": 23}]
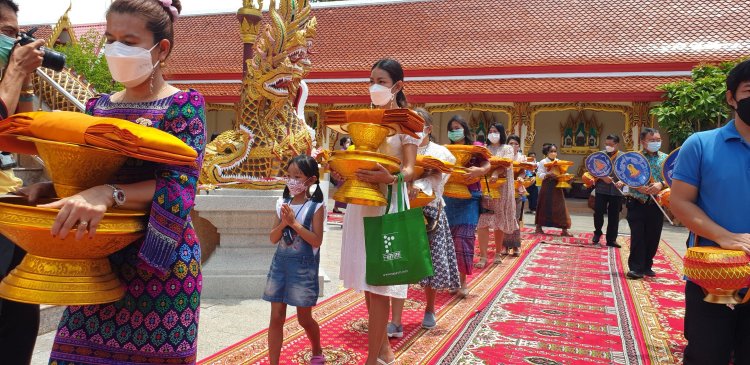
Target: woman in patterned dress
[
  {"x": 157, "y": 320},
  {"x": 442, "y": 249},
  {"x": 501, "y": 220},
  {"x": 463, "y": 214}
]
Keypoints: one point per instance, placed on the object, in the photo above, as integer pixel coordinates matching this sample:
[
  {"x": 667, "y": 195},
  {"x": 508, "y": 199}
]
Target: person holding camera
[{"x": 19, "y": 322}]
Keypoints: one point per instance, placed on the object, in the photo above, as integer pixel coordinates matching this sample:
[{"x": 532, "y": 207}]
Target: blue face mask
[
  {"x": 6, "y": 45},
  {"x": 653, "y": 146}
]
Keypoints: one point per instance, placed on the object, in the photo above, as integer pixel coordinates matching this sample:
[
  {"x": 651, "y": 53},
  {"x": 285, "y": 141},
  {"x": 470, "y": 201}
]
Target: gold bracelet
[{"x": 27, "y": 92}]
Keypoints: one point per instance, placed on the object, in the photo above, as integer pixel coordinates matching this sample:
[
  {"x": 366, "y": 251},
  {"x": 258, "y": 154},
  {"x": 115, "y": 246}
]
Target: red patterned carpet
[
  {"x": 569, "y": 303},
  {"x": 335, "y": 218},
  {"x": 561, "y": 302}
]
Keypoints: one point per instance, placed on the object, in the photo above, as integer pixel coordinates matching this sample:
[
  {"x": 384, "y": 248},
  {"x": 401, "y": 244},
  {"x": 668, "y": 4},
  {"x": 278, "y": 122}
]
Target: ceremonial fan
[{"x": 632, "y": 168}]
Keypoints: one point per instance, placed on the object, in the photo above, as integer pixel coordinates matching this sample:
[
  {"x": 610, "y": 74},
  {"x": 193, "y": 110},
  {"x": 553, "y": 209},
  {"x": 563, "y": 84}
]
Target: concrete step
[{"x": 49, "y": 317}]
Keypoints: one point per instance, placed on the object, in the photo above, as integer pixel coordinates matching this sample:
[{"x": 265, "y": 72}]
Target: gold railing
[{"x": 62, "y": 90}]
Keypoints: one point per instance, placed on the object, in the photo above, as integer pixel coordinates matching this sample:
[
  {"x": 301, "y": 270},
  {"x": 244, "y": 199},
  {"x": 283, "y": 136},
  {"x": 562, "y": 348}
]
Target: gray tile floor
[{"x": 226, "y": 322}]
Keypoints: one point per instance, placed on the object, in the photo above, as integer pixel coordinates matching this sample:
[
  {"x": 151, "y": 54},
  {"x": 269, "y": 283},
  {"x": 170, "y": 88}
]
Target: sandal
[
  {"x": 381, "y": 361},
  {"x": 318, "y": 360},
  {"x": 481, "y": 263},
  {"x": 516, "y": 252},
  {"x": 498, "y": 260},
  {"x": 463, "y": 292}
]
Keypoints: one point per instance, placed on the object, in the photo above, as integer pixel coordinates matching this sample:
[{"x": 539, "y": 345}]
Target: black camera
[{"x": 52, "y": 59}]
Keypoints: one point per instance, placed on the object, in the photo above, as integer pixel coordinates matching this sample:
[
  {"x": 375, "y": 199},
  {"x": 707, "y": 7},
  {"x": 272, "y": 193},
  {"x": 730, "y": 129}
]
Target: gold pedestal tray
[
  {"x": 64, "y": 272},
  {"x": 494, "y": 187},
  {"x": 663, "y": 198},
  {"x": 588, "y": 180},
  {"x": 721, "y": 273},
  {"x": 560, "y": 168},
  {"x": 353, "y": 191},
  {"x": 563, "y": 181},
  {"x": 422, "y": 200},
  {"x": 367, "y": 136},
  {"x": 457, "y": 185},
  {"x": 463, "y": 153},
  {"x": 74, "y": 168}
]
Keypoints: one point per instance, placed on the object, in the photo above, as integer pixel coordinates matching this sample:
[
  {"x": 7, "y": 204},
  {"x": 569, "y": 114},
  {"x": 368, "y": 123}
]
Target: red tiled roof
[
  {"x": 44, "y": 31},
  {"x": 82, "y": 29},
  {"x": 476, "y": 34},
  {"x": 505, "y": 90}
]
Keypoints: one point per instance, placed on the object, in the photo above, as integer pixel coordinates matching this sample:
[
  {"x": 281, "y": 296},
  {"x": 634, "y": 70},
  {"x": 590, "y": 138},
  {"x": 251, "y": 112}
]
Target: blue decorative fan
[
  {"x": 632, "y": 168},
  {"x": 599, "y": 164},
  {"x": 667, "y": 168}
]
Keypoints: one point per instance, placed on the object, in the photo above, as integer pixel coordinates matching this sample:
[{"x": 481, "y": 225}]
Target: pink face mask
[{"x": 296, "y": 186}]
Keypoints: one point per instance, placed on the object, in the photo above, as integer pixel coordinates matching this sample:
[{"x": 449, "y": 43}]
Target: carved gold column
[
  {"x": 640, "y": 118},
  {"x": 249, "y": 16},
  {"x": 522, "y": 125}
]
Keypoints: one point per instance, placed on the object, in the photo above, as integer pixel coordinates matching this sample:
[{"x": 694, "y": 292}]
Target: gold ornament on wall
[{"x": 579, "y": 134}]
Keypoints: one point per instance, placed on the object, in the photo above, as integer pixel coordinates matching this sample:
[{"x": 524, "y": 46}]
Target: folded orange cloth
[
  {"x": 497, "y": 162},
  {"x": 429, "y": 162},
  {"x": 131, "y": 139},
  {"x": 406, "y": 121}
]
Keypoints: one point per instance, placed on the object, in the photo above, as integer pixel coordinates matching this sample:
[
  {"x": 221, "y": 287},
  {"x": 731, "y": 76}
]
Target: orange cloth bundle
[
  {"x": 336, "y": 117},
  {"x": 410, "y": 121},
  {"x": 431, "y": 163},
  {"x": 498, "y": 162},
  {"x": 128, "y": 138},
  {"x": 401, "y": 120}
]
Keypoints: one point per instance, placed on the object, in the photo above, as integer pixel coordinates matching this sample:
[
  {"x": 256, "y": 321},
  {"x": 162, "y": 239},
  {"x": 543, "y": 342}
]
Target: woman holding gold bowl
[
  {"x": 158, "y": 317},
  {"x": 551, "y": 210},
  {"x": 512, "y": 240},
  {"x": 501, "y": 220},
  {"x": 386, "y": 92},
  {"x": 463, "y": 214}
]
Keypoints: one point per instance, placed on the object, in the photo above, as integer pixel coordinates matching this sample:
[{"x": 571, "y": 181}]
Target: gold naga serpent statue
[{"x": 266, "y": 130}]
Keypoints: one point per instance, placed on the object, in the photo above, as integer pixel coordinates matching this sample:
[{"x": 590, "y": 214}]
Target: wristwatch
[{"x": 118, "y": 196}]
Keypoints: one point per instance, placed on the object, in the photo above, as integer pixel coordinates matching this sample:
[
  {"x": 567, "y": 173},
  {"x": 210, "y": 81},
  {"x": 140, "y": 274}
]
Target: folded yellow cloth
[{"x": 131, "y": 139}]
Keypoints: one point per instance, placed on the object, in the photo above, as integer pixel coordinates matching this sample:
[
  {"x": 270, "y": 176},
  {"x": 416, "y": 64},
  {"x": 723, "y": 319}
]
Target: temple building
[{"x": 566, "y": 72}]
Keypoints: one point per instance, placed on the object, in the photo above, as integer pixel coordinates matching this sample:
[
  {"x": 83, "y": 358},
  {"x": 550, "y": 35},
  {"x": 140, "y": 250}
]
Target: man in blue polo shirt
[{"x": 710, "y": 196}]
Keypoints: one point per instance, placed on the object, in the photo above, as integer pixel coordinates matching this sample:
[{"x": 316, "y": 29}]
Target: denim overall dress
[{"x": 293, "y": 277}]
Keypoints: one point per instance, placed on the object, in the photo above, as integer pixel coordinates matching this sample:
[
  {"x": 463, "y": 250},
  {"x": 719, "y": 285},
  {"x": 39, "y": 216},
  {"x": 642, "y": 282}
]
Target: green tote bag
[{"x": 396, "y": 245}]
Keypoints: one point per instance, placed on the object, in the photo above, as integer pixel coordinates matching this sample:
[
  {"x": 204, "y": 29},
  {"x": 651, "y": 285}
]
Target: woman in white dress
[{"x": 386, "y": 91}]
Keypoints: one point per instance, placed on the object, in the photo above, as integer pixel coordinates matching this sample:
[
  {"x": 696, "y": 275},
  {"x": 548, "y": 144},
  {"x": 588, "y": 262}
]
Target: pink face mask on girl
[{"x": 296, "y": 186}]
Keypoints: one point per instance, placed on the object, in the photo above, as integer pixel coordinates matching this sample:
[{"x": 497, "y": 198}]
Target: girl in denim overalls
[{"x": 293, "y": 277}]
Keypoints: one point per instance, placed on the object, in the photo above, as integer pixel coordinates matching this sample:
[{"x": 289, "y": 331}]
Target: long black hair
[
  {"x": 396, "y": 72},
  {"x": 309, "y": 167},
  {"x": 501, "y": 129},
  {"x": 467, "y": 132}
]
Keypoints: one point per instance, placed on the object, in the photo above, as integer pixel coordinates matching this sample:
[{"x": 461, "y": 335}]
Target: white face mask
[
  {"x": 380, "y": 95},
  {"x": 129, "y": 65},
  {"x": 494, "y": 137},
  {"x": 609, "y": 149}
]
